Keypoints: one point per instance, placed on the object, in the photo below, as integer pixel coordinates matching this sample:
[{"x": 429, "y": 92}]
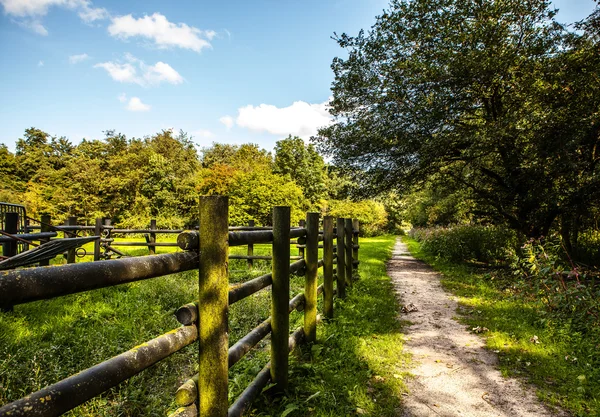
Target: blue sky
[{"x": 232, "y": 72}]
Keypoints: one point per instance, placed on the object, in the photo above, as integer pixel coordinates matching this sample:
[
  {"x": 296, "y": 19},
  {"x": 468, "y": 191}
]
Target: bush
[
  {"x": 371, "y": 214},
  {"x": 488, "y": 244},
  {"x": 569, "y": 293}
]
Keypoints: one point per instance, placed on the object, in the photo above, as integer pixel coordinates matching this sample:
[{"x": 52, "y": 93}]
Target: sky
[{"x": 229, "y": 72}]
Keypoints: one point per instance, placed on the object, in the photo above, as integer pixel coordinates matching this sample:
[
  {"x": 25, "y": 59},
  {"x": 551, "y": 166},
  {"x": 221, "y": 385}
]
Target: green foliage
[
  {"x": 371, "y": 214},
  {"x": 487, "y": 244},
  {"x": 569, "y": 293},
  {"x": 545, "y": 349},
  {"x": 303, "y": 165},
  {"x": 494, "y": 97}
]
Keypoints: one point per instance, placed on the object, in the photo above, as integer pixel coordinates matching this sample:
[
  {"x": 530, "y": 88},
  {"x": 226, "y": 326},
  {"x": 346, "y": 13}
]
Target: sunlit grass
[{"x": 563, "y": 364}]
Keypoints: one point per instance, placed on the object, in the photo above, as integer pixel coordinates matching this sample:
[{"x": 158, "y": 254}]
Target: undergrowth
[{"x": 546, "y": 349}]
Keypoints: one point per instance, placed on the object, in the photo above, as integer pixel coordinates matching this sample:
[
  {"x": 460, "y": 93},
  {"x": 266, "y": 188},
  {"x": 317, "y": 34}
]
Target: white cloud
[
  {"x": 125, "y": 73},
  {"x": 300, "y": 119},
  {"x": 162, "y": 32},
  {"x": 203, "y": 133},
  {"x": 29, "y": 12},
  {"x": 122, "y": 97},
  {"x": 40, "y": 63},
  {"x": 75, "y": 59},
  {"x": 137, "y": 72},
  {"x": 33, "y": 25},
  {"x": 135, "y": 104},
  {"x": 227, "y": 121}
]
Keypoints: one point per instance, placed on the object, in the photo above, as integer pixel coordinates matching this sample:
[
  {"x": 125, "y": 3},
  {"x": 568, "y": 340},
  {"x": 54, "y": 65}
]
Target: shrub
[
  {"x": 569, "y": 293},
  {"x": 371, "y": 214},
  {"x": 488, "y": 244}
]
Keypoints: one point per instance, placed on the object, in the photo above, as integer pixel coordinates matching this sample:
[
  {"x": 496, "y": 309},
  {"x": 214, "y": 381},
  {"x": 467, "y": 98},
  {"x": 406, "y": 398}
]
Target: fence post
[
  {"x": 250, "y": 247},
  {"x": 45, "y": 227},
  {"x": 355, "y": 231},
  {"x": 97, "y": 232},
  {"x": 213, "y": 307},
  {"x": 310, "y": 283},
  {"x": 328, "y": 266},
  {"x": 152, "y": 239},
  {"x": 11, "y": 225},
  {"x": 341, "y": 268},
  {"x": 301, "y": 223},
  {"x": 280, "y": 293},
  {"x": 348, "y": 246},
  {"x": 71, "y": 221}
]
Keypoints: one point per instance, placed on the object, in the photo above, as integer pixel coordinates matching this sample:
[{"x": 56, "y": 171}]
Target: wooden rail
[{"x": 205, "y": 394}]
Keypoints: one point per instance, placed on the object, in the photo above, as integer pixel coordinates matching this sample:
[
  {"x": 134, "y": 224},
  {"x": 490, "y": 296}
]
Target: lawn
[{"x": 357, "y": 366}]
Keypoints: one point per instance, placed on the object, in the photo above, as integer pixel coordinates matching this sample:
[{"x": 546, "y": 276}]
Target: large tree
[{"x": 469, "y": 90}]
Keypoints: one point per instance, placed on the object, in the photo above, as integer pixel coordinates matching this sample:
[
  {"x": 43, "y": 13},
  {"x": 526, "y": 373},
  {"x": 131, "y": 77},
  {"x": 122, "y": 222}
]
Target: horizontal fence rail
[{"x": 205, "y": 320}]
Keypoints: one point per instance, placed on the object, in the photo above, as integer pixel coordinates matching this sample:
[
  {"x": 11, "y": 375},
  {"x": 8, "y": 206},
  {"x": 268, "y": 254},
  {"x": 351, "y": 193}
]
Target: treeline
[
  {"x": 133, "y": 180},
  {"x": 487, "y": 110}
]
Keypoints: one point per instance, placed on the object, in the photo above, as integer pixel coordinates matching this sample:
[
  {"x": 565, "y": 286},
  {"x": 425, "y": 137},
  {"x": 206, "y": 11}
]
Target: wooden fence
[{"x": 205, "y": 394}]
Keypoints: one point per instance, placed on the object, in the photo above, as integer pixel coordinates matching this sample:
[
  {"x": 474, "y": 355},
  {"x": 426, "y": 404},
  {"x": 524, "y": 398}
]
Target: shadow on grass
[
  {"x": 357, "y": 365},
  {"x": 562, "y": 363}
]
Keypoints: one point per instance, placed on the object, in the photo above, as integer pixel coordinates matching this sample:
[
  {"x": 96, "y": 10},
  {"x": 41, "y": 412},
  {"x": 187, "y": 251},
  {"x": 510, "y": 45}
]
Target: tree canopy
[{"x": 494, "y": 97}]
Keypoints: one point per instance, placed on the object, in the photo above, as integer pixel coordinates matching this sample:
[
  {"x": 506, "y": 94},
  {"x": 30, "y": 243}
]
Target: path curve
[{"x": 454, "y": 374}]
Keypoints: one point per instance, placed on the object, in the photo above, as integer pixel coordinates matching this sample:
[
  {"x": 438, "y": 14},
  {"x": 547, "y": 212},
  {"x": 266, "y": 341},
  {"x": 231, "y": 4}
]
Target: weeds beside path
[{"x": 454, "y": 373}]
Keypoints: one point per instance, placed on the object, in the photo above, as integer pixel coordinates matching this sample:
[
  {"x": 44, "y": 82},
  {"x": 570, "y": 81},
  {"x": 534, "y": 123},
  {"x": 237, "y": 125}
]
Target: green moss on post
[
  {"x": 310, "y": 283},
  {"x": 355, "y": 231},
  {"x": 341, "y": 259},
  {"x": 328, "y": 266},
  {"x": 280, "y": 292},
  {"x": 213, "y": 307},
  {"x": 348, "y": 247}
]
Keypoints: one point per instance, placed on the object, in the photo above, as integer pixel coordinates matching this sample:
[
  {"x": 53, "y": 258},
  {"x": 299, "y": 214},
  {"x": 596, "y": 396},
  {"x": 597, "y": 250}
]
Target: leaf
[
  {"x": 288, "y": 409},
  {"x": 315, "y": 395}
]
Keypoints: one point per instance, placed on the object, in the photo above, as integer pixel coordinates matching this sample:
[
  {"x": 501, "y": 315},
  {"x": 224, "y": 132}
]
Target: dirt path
[{"x": 454, "y": 374}]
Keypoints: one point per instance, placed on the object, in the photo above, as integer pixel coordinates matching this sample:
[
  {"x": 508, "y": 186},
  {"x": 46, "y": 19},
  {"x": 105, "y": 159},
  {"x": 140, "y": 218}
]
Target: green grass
[
  {"x": 357, "y": 364},
  {"x": 564, "y": 365}
]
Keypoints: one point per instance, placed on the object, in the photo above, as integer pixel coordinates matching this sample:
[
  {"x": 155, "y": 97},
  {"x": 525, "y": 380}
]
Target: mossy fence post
[
  {"x": 310, "y": 283},
  {"x": 328, "y": 266},
  {"x": 280, "y": 293},
  {"x": 250, "y": 248},
  {"x": 71, "y": 221},
  {"x": 11, "y": 225},
  {"x": 355, "y": 246},
  {"x": 152, "y": 238},
  {"x": 97, "y": 232},
  {"x": 348, "y": 246},
  {"x": 341, "y": 268},
  {"x": 45, "y": 227},
  {"x": 213, "y": 307}
]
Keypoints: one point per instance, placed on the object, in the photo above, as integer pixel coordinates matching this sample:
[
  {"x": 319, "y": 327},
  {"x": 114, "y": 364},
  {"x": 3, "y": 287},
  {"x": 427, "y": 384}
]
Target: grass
[
  {"x": 563, "y": 364},
  {"x": 356, "y": 366}
]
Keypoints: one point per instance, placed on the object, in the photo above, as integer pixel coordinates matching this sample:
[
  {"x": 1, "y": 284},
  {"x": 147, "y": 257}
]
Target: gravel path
[{"x": 454, "y": 374}]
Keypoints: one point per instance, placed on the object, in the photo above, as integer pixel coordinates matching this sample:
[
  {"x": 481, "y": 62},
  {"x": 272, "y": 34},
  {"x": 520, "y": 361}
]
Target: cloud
[
  {"x": 203, "y": 133},
  {"x": 135, "y": 104},
  {"x": 300, "y": 119},
  {"x": 227, "y": 121},
  {"x": 163, "y": 33},
  {"x": 30, "y": 12},
  {"x": 40, "y": 63},
  {"x": 137, "y": 72},
  {"x": 122, "y": 97},
  {"x": 75, "y": 59},
  {"x": 33, "y": 25},
  {"x": 125, "y": 73}
]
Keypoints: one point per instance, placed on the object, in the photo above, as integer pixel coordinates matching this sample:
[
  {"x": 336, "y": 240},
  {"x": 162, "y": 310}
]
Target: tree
[
  {"x": 303, "y": 165},
  {"x": 467, "y": 89}
]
